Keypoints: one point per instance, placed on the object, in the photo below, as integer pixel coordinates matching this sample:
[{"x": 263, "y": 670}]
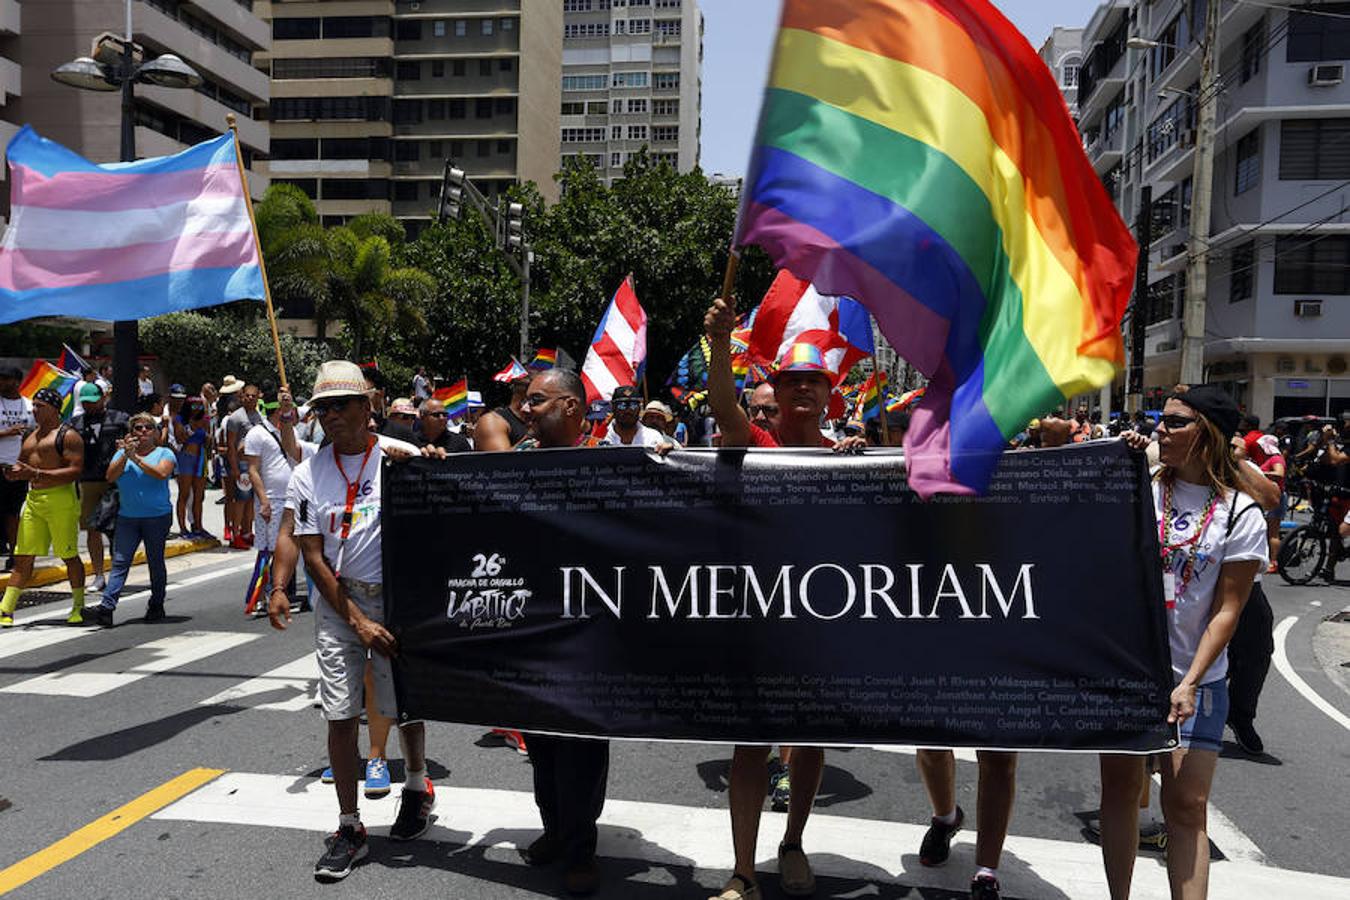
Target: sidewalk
[{"x": 49, "y": 570}]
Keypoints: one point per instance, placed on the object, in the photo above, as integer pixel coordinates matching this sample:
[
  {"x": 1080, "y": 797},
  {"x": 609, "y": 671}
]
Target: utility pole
[
  {"x": 1202, "y": 191},
  {"x": 1143, "y": 232}
]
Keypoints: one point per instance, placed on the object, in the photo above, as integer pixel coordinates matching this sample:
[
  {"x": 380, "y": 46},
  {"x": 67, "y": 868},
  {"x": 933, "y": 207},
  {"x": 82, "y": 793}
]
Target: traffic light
[
  {"x": 515, "y": 224},
  {"x": 452, "y": 193}
]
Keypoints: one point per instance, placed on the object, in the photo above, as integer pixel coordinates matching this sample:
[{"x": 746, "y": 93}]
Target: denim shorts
[{"x": 1204, "y": 730}]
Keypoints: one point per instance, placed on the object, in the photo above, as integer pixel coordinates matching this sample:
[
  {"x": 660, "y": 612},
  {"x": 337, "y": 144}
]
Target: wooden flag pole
[
  {"x": 881, "y": 403},
  {"x": 257, "y": 243}
]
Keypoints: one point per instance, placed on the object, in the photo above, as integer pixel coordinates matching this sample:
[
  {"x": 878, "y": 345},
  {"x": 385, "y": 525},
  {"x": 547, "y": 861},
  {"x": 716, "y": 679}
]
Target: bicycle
[{"x": 1307, "y": 550}]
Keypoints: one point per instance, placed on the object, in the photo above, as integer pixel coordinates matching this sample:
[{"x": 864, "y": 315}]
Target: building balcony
[
  {"x": 446, "y": 47},
  {"x": 497, "y": 127},
  {"x": 502, "y": 84},
  {"x": 11, "y": 79},
  {"x": 327, "y": 48},
  {"x": 9, "y": 17},
  {"x": 333, "y": 87},
  {"x": 463, "y": 9},
  {"x": 1106, "y": 152},
  {"x": 210, "y": 113},
  {"x": 247, "y": 25},
  {"x": 350, "y": 207},
  {"x": 158, "y": 29},
  {"x": 325, "y": 168}
]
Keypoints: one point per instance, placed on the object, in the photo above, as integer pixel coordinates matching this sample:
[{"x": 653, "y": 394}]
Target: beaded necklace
[{"x": 1170, "y": 548}]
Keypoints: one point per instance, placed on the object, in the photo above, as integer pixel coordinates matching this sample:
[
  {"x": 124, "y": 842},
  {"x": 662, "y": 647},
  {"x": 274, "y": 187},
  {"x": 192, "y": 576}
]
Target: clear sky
[{"x": 736, "y": 42}]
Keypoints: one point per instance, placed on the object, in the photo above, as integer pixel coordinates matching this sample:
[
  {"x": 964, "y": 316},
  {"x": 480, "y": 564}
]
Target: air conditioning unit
[
  {"x": 1308, "y": 309},
  {"x": 1326, "y": 74}
]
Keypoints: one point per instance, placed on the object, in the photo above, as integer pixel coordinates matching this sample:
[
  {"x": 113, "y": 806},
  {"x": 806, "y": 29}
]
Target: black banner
[{"x": 784, "y": 596}]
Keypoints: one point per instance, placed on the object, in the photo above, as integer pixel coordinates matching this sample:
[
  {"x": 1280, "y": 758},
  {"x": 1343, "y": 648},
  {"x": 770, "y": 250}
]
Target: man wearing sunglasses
[
  {"x": 51, "y": 459},
  {"x": 626, "y": 430},
  {"x": 334, "y": 498},
  {"x": 432, "y": 425}
]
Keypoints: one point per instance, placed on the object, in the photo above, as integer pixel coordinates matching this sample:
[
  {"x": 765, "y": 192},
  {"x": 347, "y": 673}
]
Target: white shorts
[
  {"x": 342, "y": 658},
  {"x": 265, "y": 532}
]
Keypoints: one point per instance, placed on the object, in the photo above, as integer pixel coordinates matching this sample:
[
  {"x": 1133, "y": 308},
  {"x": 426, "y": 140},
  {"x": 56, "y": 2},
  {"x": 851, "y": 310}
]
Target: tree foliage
[{"x": 194, "y": 348}]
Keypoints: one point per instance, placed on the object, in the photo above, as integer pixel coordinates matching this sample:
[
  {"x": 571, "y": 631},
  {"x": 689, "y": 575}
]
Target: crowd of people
[{"x": 301, "y": 484}]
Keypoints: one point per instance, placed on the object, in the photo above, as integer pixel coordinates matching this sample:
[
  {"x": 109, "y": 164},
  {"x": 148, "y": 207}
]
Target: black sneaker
[
  {"x": 937, "y": 841},
  {"x": 544, "y": 851},
  {"x": 154, "y": 612},
  {"x": 414, "y": 814},
  {"x": 346, "y": 847},
  {"x": 99, "y": 615},
  {"x": 1248, "y": 739},
  {"x": 984, "y": 887}
]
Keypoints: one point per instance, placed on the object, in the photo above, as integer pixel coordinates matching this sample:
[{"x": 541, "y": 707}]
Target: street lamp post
[{"x": 112, "y": 66}]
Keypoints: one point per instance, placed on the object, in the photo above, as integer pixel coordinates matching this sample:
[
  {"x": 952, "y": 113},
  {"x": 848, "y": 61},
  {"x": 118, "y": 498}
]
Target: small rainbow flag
[
  {"x": 918, "y": 156},
  {"x": 870, "y": 397},
  {"x": 43, "y": 374},
  {"x": 455, "y": 397},
  {"x": 544, "y": 359},
  {"x": 257, "y": 585}
]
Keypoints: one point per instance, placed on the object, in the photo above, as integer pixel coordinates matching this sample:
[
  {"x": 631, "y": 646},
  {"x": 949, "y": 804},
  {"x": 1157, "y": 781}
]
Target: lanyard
[{"x": 352, "y": 487}]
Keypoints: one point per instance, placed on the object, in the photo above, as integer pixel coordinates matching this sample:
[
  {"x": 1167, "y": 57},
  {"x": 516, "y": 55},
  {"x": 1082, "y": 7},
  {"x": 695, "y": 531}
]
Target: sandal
[
  {"x": 738, "y": 887},
  {"x": 794, "y": 871}
]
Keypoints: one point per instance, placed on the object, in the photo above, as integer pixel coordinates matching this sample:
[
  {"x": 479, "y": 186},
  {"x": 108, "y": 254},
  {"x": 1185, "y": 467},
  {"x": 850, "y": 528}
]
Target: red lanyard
[{"x": 352, "y": 488}]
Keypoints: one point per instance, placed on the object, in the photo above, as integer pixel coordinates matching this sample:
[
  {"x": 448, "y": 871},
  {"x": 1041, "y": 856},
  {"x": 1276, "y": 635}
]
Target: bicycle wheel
[{"x": 1301, "y": 555}]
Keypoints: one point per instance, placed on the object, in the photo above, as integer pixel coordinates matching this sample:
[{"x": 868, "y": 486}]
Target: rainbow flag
[
  {"x": 43, "y": 374},
  {"x": 258, "y": 584},
  {"x": 871, "y": 395},
  {"x": 917, "y": 155},
  {"x": 455, "y": 397},
  {"x": 544, "y": 359}
]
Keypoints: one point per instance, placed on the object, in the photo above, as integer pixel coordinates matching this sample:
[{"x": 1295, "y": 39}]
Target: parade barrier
[{"x": 780, "y": 596}]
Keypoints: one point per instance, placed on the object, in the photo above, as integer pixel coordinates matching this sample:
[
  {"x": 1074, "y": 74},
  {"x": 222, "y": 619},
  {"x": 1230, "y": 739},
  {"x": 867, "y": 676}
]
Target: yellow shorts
[{"x": 50, "y": 520}]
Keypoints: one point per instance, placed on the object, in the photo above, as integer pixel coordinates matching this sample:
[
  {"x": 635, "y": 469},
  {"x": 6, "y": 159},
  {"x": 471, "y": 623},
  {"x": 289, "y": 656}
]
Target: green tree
[
  {"x": 297, "y": 251},
  {"x": 194, "y": 348}
]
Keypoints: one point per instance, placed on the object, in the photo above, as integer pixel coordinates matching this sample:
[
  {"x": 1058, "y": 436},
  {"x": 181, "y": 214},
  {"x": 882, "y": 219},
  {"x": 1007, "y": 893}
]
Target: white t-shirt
[
  {"x": 145, "y": 386},
  {"x": 18, "y": 411},
  {"x": 644, "y": 437},
  {"x": 318, "y": 496},
  {"x": 1190, "y": 617},
  {"x": 273, "y": 465}
]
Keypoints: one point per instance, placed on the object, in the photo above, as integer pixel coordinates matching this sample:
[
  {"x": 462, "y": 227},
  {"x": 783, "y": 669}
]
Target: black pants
[
  {"x": 1249, "y": 657},
  {"x": 570, "y": 776}
]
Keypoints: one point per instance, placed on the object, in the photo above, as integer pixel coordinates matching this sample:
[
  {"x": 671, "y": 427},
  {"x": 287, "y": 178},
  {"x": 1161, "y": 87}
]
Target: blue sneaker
[
  {"x": 327, "y": 776},
  {"x": 377, "y": 778}
]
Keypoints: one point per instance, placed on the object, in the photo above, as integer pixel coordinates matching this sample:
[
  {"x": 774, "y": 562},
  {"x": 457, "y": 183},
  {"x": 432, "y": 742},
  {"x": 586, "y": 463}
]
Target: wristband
[{"x": 277, "y": 587}]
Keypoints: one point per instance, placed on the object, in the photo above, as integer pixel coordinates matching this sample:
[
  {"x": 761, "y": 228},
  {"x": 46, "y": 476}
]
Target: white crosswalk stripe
[
  {"x": 38, "y": 637},
  {"x": 300, "y": 677},
  {"x": 117, "y": 670},
  {"x": 666, "y": 834}
]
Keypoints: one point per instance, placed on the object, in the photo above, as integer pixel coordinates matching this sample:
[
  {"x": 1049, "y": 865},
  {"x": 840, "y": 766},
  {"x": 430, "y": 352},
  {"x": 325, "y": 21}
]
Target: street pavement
[{"x": 181, "y": 759}]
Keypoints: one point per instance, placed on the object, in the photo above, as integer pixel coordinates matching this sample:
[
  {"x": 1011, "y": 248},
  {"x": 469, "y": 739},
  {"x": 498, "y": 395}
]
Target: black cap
[
  {"x": 1214, "y": 403},
  {"x": 625, "y": 392},
  {"x": 48, "y": 396}
]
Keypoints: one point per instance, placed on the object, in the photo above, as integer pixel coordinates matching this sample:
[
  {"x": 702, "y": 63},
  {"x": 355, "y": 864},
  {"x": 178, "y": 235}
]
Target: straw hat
[
  {"x": 230, "y": 385},
  {"x": 338, "y": 378}
]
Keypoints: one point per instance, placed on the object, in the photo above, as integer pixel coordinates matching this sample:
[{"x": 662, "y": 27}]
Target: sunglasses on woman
[{"x": 1175, "y": 422}]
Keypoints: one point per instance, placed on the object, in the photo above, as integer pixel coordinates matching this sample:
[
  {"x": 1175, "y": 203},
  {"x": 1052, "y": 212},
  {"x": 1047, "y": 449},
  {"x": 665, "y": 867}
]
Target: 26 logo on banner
[{"x": 486, "y": 599}]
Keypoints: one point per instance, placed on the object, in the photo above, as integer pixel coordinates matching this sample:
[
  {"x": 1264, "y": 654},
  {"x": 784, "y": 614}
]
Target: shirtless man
[
  {"x": 51, "y": 460},
  {"x": 504, "y": 426}
]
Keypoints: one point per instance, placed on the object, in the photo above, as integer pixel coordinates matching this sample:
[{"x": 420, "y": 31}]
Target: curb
[{"x": 46, "y": 575}]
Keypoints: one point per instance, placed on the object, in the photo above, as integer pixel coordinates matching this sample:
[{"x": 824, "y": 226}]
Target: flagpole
[
  {"x": 881, "y": 402},
  {"x": 257, "y": 243}
]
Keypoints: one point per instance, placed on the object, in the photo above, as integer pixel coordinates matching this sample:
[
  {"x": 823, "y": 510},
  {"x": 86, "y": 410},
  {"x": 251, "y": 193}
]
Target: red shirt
[{"x": 762, "y": 437}]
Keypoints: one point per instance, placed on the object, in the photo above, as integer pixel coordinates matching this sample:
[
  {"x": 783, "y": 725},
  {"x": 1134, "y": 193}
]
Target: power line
[{"x": 1303, "y": 10}]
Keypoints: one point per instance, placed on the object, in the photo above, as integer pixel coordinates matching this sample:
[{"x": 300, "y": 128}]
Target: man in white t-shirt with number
[
  {"x": 16, "y": 417},
  {"x": 334, "y": 497}
]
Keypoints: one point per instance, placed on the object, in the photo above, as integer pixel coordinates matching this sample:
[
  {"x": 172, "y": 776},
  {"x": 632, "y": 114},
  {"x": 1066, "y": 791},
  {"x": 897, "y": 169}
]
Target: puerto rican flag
[
  {"x": 619, "y": 348},
  {"x": 513, "y": 372},
  {"x": 794, "y": 311}
]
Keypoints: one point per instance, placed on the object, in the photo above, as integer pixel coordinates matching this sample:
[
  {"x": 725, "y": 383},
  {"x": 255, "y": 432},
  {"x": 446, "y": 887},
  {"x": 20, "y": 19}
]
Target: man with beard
[
  {"x": 626, "y": 430},
  {"x": 570, "y": 774}
]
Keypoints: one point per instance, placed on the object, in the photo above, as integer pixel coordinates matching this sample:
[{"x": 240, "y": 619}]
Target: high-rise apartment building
[
  {"x": 632, "y": 77},
  {"x": 218, "y": 38},
  {"x": 372, "y": 97},
  {"x": 11, "y": 71},
  {"x": 1277, "y": 241},
  {"x": 1063, "y": 55}
]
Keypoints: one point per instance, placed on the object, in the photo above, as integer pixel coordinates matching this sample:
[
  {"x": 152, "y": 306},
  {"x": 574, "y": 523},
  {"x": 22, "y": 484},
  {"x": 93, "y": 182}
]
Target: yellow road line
[{"x": 99, "y": 830}]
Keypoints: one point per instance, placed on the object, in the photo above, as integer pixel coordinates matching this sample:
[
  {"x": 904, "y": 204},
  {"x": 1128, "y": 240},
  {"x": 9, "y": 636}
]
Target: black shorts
[{"x": 12, "y": 495}]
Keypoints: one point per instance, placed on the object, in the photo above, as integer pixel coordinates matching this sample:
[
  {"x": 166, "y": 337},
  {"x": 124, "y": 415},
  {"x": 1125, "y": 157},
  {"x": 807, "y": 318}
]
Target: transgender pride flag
[{"x": 124, "y": 240}]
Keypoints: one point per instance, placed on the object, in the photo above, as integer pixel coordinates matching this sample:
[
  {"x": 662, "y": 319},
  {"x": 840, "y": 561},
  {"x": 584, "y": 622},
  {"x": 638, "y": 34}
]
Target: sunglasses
[
  {"x": 141, "y": 426},
  {"x": 759, "y": 409},
  {"x": 539, "y": 400},
  {"x": 407, "y": 416},
  {"x": 324, "y": 407},
  {"x": 436, "y": 415},
  {"x": 1175, "y": 422},
  {"x": 627, "y": 404}
]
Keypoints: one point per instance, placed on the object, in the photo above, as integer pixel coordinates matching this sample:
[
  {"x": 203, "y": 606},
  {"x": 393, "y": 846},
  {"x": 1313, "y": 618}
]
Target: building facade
[
  {"x": 11, "y": 74},
  {"x": 1063, "y": 55},
  {"x": 373, "y": 97},
  {"x": 632, "y": 78},
  {"x": 218, "y": 38},
  {"x": 1278, "y": 245}
]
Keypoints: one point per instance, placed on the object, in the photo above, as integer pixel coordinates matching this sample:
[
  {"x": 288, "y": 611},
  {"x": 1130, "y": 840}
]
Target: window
[
  {"x": 579, "y": 30},
  {"x": 487, "y": 26},
  {"x": 408, "y": 71},
  {"x": 666, "y": 133},
  {"x": 503, "y": 147},
  {"x": 461, "y": 28},
  {"x": 1247, "y": 168},
  {"x": 576, "y": 6},
  {"x": 482, "y": 108},
  {"x": 295, "y": 148},
  {"x": 408, "y": 30},
  {"x": 583, "y": 82},
  {"x": 356, "y": 189},
  {"x": 456, "y": 148},
  {"x": 436, "y": 110},
  {"x": 1162, "y": 300},
  {"x": 665, "y": 107},
  {"x": 370, "y": 109},
  {"x": 485, "y": 148},
  {"x": 1316, "y": 265},
  {"x": 438, "y": 68},
  {"x": 337, "y": 67},
  {"x": 1070, "y": 76},
  {"x": 618, "y": 106},
  {"x": 505, "y": 64},
  {"x": 630, "y": 79},
  {"x": 310, "y": 186},
  {"x": 1314, "y": 37},
  {"x": 616, "y": 132},
  {"x": 1314, "y": 149},
  {"x": 574, "y": 108},
  {"x": 356, "y": 148},
  {"x": 1161, "y": 56},
  {"x": 667, "y": 4},
  {"x": 666, "y": 159},
  {"x": 668, "y": 27},
  {"x": 407, "y": 112},
  {"x": 638, "y": 105},
  {"x": 407, "y": 151},
  {"x": 582, "y": 135},
  {"x": 665, "y": 80},
  {"x": 508, "y": 24},
  {"x": 615, "y": 160},
  {"x": 458, "y": 109},
  {"x": 438, "y": 28},
  {"x": 485, "y": 68},
  {"x": 406, "y": 190},
  {"x": 436, "y": 150},
  {"x": 354, "y": 27},
  {"x": 598, "y": 107},
  {"x": 295, "y": 29},
  {"x": 1253, "y": 48},
  {"x": 504, "y": 106},
  {"x": 1241, "y": 270},
  {"x": 637, "y": 132},
  {"x": 459, "y": 67},
  {"x": 639, "y": 26}
]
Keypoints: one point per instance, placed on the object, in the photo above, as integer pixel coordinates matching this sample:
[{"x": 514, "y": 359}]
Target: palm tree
[{"x": 296, "y": 250}]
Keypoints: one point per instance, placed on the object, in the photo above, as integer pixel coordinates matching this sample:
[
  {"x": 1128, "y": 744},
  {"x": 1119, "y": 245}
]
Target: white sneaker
[{"x": 99, "y": 585}]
